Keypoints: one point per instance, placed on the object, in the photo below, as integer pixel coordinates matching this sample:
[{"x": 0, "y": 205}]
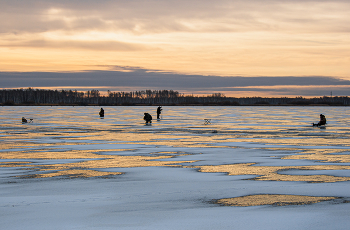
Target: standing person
[
  {"x": 159, "y": 111},
  {"x": 102, "y": 112}
]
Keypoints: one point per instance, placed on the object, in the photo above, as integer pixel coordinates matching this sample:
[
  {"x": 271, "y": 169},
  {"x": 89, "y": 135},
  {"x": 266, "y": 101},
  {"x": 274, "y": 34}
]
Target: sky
[{"x": 236, "y": 47}]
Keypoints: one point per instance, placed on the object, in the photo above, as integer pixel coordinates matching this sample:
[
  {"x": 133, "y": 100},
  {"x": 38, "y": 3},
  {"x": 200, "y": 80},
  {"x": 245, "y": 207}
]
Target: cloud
[
  {"x": 141, "y": 79},
  {"x": 290, "y": 90},
  {"x": 90, "y": 45},
  {"x": 223, "y": 37},
  {"x": 139, "y": 16}
]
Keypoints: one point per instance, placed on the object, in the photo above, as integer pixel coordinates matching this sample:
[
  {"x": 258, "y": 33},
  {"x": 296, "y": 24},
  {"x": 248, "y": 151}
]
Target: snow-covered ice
[{"x": 69, "y": 169}]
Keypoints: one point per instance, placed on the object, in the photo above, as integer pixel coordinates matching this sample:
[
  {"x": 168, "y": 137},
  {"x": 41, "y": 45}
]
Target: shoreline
[{"x": 218, "y": 104}]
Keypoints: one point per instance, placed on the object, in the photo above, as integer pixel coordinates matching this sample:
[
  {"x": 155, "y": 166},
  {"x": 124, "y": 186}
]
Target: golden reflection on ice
[
  {"x": 54, "y": 154},
  {"x": 118, "y": 162},
  {"x": 270, "y": 199},
  {"x": 13, "y": 164},
  {"x": 51, "y": 145},
  {"x": 271, "y": 172},
  {"x": 74, "y": 173},
  {"x": 298, "y": 141},
  {"x": 88, "y": 165},
  {"x": 322, "y": 155},
  {"x": 165, "y": 139}
]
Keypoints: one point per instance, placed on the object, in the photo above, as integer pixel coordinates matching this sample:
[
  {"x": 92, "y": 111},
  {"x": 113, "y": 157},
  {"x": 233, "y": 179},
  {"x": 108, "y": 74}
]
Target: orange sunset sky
[{"x": 239, "y": 48}]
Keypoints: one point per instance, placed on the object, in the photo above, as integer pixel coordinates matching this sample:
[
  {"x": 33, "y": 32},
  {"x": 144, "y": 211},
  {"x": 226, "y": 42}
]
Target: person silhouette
[
  {"x": 24, "y": 120},
  {"x": 322, "y": 121},
  {"x": 147, "y": 118},
  {"x": 102, "y": 112},
  {"x": 159, "y": 111}
]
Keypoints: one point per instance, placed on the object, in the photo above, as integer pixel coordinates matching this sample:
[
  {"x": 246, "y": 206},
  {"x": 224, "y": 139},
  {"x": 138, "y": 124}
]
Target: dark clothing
[
  {"x": 102, "y": 113},
  {"x": 322, "y": 121},
  {"x": 159, "y": 111},
  {"x": 147, "y": 118}
]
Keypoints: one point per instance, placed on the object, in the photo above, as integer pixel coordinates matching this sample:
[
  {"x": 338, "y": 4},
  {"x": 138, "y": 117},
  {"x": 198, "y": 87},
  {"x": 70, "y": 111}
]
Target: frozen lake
[{"x": 249, "y": 168}]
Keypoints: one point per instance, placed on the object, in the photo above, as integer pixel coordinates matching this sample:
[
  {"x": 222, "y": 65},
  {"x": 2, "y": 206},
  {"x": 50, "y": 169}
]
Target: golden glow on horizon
[
  {"x": 217, "y": 54},
  {"x": 241, "y": 91},
  {"x": 223, "y": 39}
]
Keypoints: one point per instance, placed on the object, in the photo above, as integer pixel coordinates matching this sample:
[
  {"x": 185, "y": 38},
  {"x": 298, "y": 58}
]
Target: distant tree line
[{"x": 32, "y": 96}]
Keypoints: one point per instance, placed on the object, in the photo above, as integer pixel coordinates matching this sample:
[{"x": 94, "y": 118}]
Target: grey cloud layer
[
  {"x": 91, "y": 45},
  {"x": 143, "y": 79},
  {"x": 163, "y": 16}
]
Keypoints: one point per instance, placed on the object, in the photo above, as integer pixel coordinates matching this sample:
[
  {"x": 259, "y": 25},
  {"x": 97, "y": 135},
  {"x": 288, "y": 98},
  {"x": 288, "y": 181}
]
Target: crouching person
[
  {"x": 147, "y": 118},
  {"x": 322, "y": 121}
]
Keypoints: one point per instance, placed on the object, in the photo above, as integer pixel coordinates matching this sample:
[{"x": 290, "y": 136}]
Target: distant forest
[{"x": 10, "y": 97}]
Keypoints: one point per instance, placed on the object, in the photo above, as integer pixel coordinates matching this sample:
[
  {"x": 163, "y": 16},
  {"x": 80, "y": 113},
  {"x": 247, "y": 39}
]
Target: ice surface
[{"x": 168, "y": 197}]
